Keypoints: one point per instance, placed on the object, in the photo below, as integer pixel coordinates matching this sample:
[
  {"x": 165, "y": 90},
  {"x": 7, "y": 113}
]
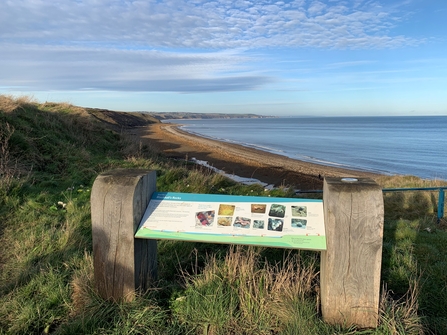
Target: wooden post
[
  {"x": 351, "y": 265},
  {"x": 122, "y": 264}
]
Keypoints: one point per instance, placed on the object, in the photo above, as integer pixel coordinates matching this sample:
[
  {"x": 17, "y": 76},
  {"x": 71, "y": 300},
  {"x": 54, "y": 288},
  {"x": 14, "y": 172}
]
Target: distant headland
[{"x": 183, "y": 115}]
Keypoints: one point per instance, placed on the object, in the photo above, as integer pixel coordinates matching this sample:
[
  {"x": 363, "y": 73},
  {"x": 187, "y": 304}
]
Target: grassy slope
[{"x": 51, "y": 154}]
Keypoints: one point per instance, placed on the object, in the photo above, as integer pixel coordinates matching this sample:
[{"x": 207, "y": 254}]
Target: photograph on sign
[{"x": 277, "y": 222}]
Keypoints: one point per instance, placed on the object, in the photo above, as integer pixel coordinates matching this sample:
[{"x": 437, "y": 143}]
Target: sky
[{"x": 300, "y": 57}]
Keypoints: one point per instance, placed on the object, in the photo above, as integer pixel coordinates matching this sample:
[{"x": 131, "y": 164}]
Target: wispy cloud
[
  {"x": 350, "y": 64},
  {"x": 71, "y": 68}
]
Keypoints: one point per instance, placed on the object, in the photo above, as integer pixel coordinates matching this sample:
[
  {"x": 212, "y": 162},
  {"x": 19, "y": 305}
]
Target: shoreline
[{"x": 171, "y": 141}]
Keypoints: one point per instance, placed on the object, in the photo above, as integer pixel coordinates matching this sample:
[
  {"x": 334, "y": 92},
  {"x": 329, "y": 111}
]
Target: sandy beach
[{"x": 242, "y": 161}]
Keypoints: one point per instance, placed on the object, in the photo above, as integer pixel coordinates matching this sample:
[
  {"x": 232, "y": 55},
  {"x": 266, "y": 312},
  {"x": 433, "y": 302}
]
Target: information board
[{"x": 263, "y": 221}]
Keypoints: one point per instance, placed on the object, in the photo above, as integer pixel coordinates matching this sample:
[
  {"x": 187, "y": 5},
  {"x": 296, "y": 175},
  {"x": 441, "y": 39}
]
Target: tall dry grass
[
  {"x": 408, "y": 182},
  {"x": 9, "y": 169},
  {"x": 12, "y": 173},
  {"x": 244, "y": 295},
  {"x": 10, "y": 103},
  {"x": 6, "y": 131},
  {"x": 400, "y": 317}
]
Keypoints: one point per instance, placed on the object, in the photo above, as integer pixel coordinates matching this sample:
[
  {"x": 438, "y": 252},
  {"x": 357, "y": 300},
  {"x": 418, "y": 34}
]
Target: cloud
[
  {"x": 79, "y": 68},
  {"x": 174, "y": 45},
  {"x": 216, "y": 24},
  {"x": 350, "y": 63}
]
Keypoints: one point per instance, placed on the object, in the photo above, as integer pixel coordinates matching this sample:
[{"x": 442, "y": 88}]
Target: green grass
[{"x": 51, "y": 154}]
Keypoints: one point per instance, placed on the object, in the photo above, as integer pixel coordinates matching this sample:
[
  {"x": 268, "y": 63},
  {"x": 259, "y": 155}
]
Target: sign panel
[{"x": 263, "y": 221}]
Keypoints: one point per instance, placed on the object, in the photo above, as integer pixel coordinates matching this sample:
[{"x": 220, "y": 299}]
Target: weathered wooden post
[
  {"x": 350, "y": 267},
  {"x": 122, "y": 264}
]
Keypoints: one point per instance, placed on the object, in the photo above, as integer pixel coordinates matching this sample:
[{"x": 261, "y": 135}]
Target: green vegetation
[{"x": 50, "y": 155}]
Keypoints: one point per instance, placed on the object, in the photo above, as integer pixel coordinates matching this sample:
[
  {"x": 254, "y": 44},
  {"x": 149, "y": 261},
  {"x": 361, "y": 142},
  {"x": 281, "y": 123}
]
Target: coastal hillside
[
  {"x": 118, "y": 120},
  {"x": 50, "y": 155}
]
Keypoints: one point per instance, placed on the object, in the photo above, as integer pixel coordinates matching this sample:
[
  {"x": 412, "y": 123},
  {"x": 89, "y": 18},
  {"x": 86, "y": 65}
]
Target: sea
[{"x": 392, "y": 145}]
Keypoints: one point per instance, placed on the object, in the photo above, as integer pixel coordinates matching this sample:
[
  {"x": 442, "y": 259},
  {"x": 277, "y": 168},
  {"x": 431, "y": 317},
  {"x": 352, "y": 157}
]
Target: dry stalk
[{"x": 7, "y": 169}]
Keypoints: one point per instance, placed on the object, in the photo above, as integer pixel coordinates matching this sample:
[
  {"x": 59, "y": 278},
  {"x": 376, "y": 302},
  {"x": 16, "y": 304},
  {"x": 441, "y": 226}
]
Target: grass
[
  {"x": 247, "y": 297},
  {"x": 50, "y": 155}
]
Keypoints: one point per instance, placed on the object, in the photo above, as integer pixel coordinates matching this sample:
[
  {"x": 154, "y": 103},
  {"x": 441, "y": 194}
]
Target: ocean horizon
[{"x": 392, "y": 145}]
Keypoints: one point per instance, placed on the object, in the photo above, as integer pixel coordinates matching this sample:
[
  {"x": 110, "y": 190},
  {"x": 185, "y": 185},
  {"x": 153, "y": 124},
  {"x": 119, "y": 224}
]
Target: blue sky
[{"x": 299, "y": 57}]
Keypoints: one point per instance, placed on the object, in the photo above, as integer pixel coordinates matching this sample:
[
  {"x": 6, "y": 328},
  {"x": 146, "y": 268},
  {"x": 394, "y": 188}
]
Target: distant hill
[{"x": 181, "y": 115}]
